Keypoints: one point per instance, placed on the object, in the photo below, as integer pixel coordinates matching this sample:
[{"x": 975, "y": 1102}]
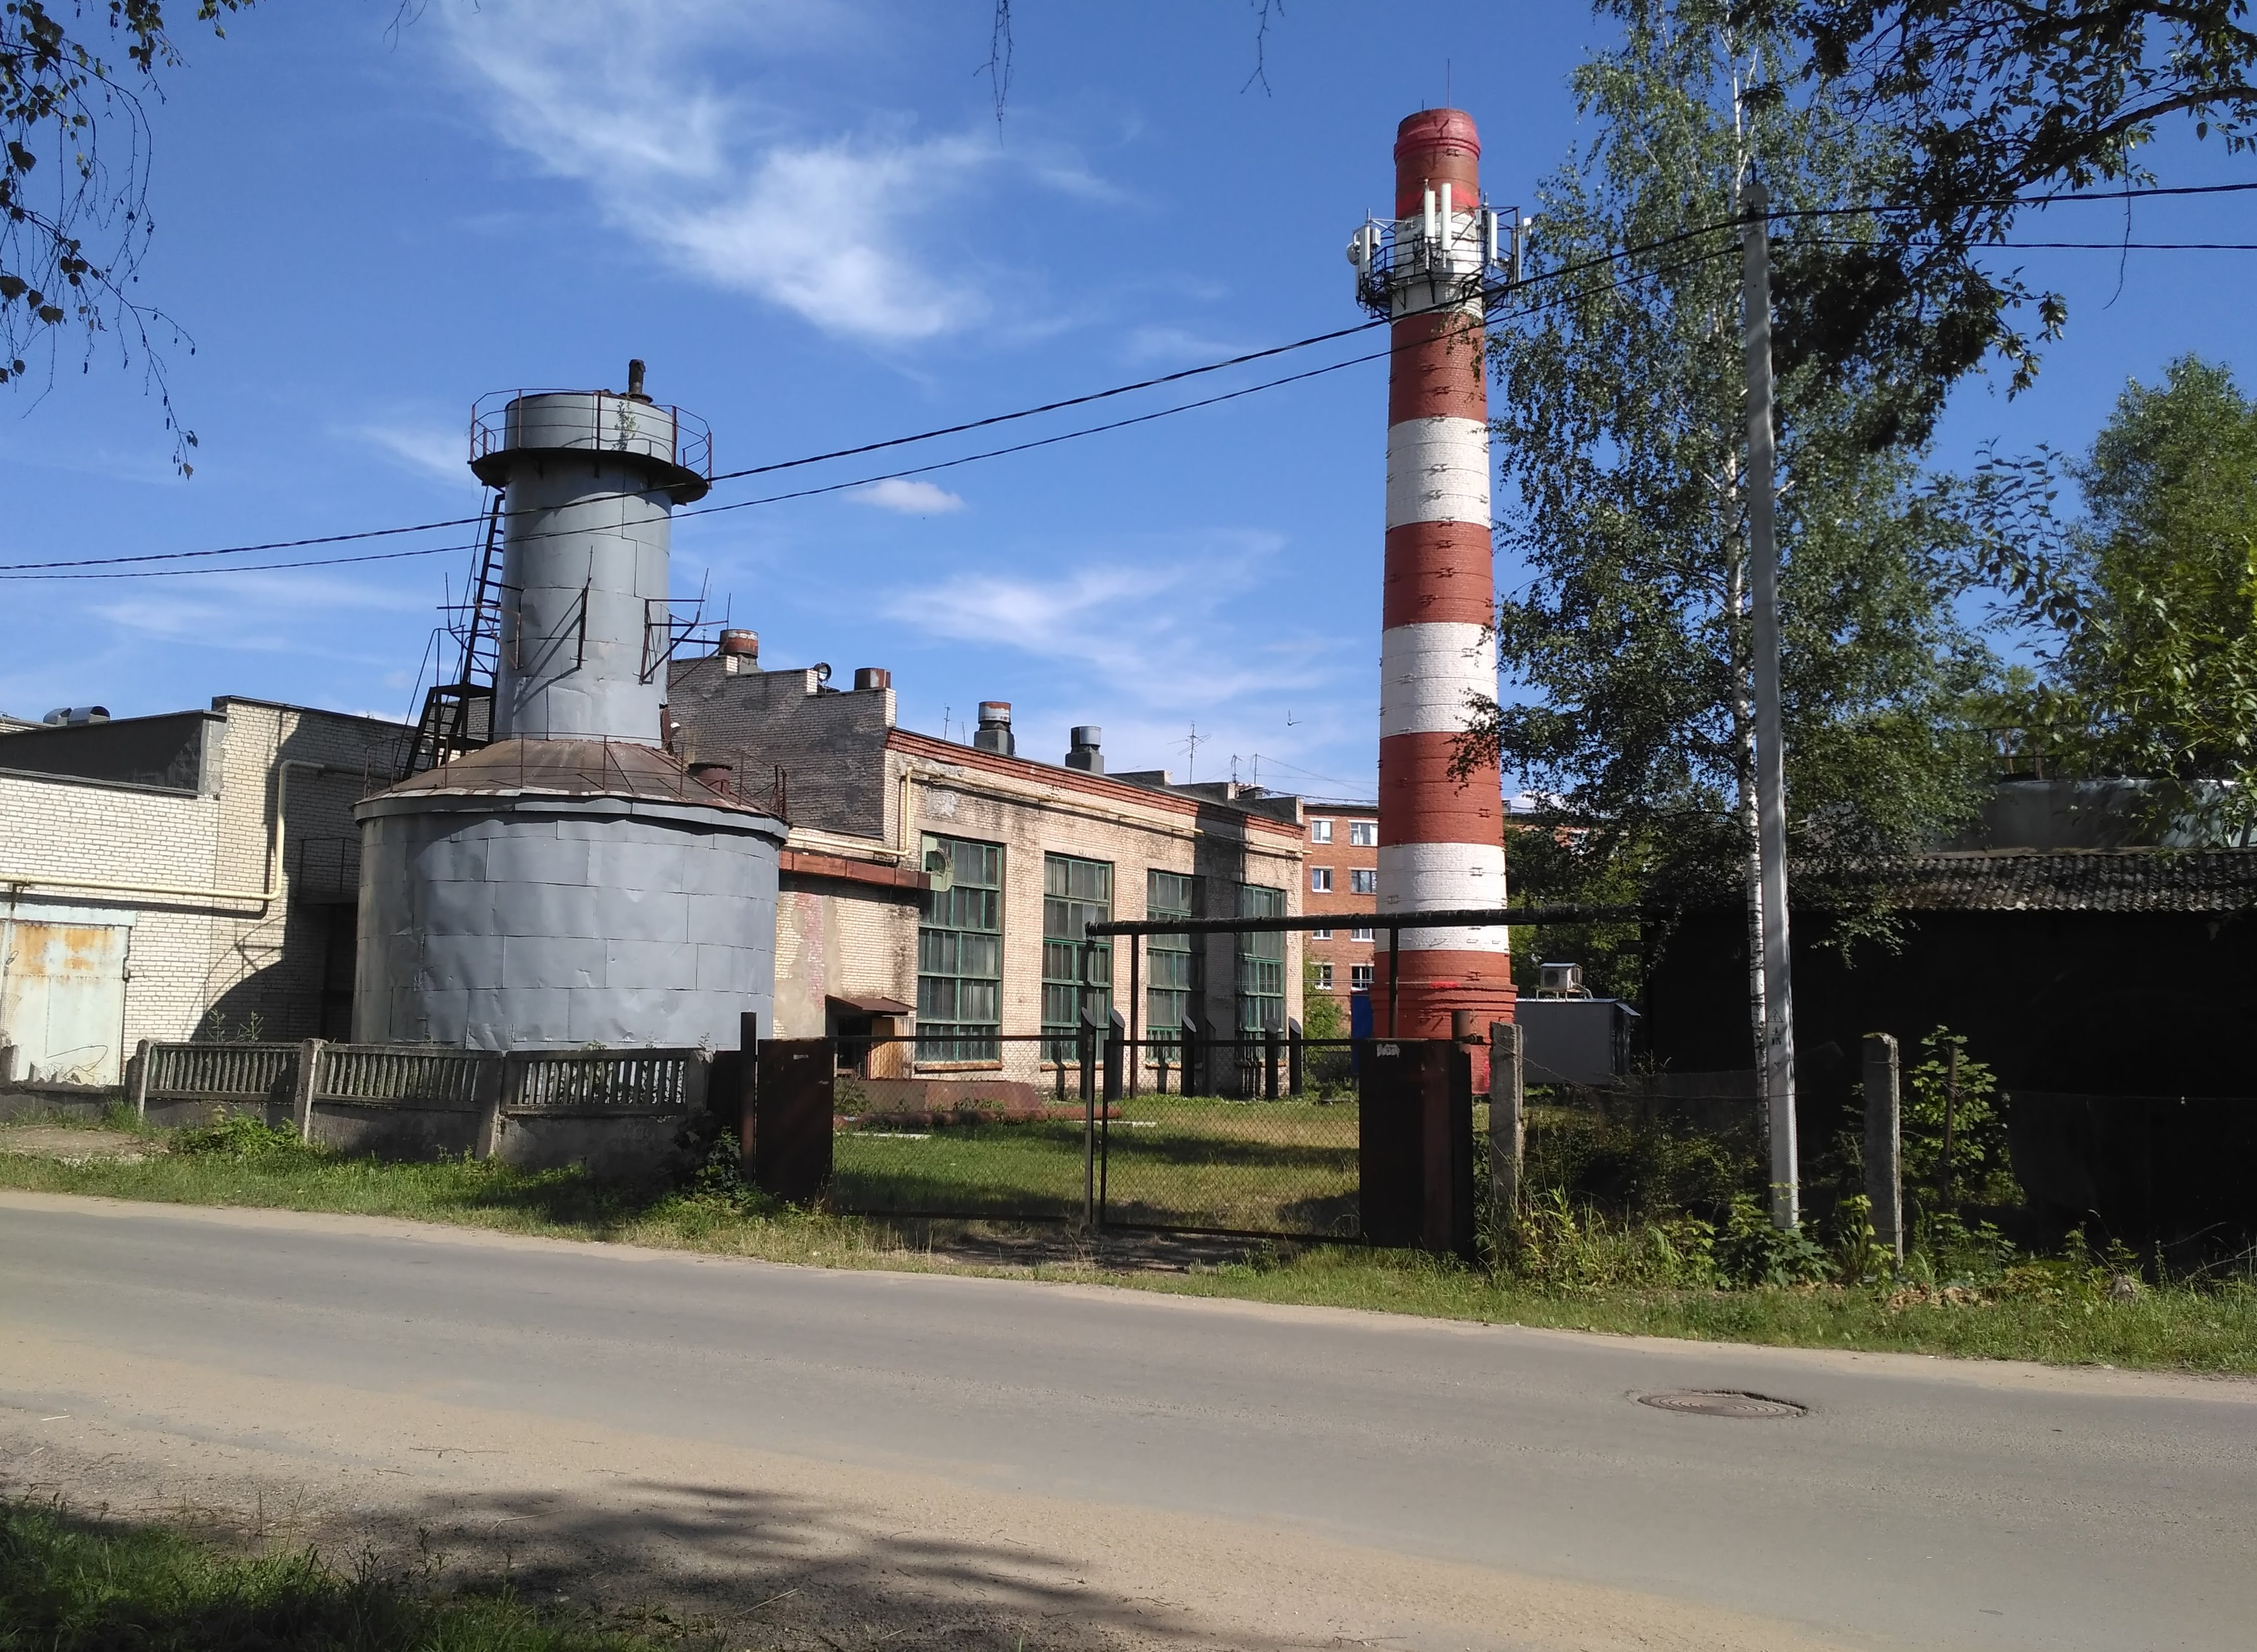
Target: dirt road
[{"x": 852, "y": 1459}]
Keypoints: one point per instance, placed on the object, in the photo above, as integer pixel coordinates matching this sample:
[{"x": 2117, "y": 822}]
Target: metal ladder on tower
[{"x": 459, "y": 715}]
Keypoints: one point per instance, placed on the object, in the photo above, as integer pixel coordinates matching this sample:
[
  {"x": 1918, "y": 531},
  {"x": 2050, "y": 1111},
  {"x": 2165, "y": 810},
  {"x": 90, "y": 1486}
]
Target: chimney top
[
  {"x": 995, "y": 731},
  {"x": 1086, "y": 755},
  {"x": 634, "y": 380}
]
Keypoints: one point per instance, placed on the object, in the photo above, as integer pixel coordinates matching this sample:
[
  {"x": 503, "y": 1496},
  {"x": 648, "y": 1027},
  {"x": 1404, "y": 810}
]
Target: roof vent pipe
[
  {"x": 1085, "y": 754},
  {"x": 634, "y": 380},
  {"x": 739, "y": 650},
  {"x": 994, "y": 731}
]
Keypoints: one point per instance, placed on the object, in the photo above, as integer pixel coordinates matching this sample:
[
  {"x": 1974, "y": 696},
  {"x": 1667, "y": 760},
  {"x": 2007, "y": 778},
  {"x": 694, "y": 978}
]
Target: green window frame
[
  {"x": 1261, "y": 962},
  {"x": 1075, "y": 892},
  {"x": 960, "y": 954},
  {"x": 1175, "y": 965}
]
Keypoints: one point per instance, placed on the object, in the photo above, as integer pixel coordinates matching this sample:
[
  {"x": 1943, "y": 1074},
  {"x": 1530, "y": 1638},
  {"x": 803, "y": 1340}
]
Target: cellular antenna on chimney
[{"x": 634, "y": 380}]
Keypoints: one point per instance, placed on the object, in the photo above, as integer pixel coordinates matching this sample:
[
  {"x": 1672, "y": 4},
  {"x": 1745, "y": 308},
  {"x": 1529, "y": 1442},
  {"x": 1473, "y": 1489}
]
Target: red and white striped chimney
[{"x": 1441, "y": 842}]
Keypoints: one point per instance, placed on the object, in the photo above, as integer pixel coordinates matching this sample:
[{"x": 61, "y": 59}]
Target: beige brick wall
[{"x": 833, "y": 939}]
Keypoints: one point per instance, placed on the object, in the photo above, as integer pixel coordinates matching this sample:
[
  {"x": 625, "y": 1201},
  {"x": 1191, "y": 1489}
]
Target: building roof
[
  {"x": 1255, "y": 812},
  {"x": 2075, "y": 880},
  {"x": 573, "y": 768}
]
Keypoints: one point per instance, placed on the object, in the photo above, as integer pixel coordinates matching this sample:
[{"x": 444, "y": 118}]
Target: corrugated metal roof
[
  {"x": 573, "y": 768},
  {"x": 2075, "y": 880}
]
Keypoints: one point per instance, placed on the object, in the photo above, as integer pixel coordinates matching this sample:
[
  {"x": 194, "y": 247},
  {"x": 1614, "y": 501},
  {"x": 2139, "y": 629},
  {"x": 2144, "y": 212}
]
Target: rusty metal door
[
  {"x": 62, "y": 998},
  {"x": 792, "y": 1106}
]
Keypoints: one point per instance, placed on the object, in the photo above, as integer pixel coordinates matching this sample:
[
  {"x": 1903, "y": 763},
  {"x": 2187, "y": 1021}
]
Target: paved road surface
[{"x": 1153, "y": 1467}]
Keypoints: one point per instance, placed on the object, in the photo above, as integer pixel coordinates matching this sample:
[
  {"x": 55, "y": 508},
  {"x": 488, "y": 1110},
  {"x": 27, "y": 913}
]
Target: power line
[
  {"x": 1575, "y": 267},
  {"x": 257, "y": 568},
  {"x": 867, "y": 481}
]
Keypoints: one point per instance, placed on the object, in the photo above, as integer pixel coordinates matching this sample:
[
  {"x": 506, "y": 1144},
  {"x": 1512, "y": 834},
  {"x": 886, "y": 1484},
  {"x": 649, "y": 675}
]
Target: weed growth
[{"x": 73, "y": 1584}]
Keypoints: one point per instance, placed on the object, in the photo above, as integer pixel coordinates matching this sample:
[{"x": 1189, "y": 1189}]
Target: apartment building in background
[{"x": 1341, "y": 874}]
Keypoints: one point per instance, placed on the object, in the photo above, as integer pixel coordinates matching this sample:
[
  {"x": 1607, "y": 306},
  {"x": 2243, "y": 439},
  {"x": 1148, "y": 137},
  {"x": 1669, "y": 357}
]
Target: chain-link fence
[
  {"x": 1277, "y": 1154},
  {"x": 1253, "y": 1135}
]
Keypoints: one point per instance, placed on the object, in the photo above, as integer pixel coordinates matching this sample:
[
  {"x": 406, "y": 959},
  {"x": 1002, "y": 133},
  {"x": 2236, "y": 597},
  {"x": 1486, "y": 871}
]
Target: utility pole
[{"x": 1778, "y": 1074}]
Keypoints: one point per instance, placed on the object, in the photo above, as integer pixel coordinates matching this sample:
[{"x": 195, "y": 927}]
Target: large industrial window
[
  {"x": 960, "y": 954},
  {"x": 1175, "y": 963},
  {"x": 1261, "y": 962},
  {"x": 1077, "y": 973}
]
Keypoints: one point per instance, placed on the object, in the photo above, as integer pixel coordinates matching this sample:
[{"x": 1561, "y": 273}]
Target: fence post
[
  {"x": 308, "y": 1080},
  {"x": 492, "y": 1086},
  {"x": 1086, "y": 1042},
  {"x": 1272, "y": 1046},
  {"x": 1187, "y": 1073},
  {"x": 144, "y": 1057},
  {"x": 1295, "y": 1058},
  {"x": 8, "y": 1061},
  {"x": 1884, "y": 1142},
  {"x": 748, "y": 1082},
  {"x": 1508, "y": 1122},
  {"x": 1116, "y": 1054}
]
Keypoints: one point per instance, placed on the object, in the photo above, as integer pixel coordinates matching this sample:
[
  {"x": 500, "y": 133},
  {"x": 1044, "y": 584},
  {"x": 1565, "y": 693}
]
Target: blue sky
[{"x": 804, "y": 215}]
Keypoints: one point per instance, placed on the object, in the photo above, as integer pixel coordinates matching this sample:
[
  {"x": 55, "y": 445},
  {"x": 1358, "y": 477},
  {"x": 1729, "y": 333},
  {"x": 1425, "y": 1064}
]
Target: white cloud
[
  {"x": 909, "y": 497},
  {"x": 1166, "y": 631},
  {"x": 711, "y": 173},
  {"x": 436, "y": 452}
]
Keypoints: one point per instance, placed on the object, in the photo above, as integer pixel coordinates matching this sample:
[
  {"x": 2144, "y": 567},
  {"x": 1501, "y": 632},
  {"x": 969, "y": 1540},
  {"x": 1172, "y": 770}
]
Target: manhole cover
[{"x": 1722, "y": 1402}]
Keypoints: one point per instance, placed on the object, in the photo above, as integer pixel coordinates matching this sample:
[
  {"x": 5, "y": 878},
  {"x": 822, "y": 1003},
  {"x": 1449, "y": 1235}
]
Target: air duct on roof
[
  {"x": 1085, "y": 753},
  {"x": 994, "y": 731}
]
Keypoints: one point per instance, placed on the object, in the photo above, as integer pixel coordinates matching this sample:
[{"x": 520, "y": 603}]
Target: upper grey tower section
[{"x": 591, "y": 479}]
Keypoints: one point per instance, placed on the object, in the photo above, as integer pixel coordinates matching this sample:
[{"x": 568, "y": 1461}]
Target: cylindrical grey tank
[
  {"x": 570, "y": 884},
  {"x": 500, "y": 911},
  {"x": 589, "y": 479}
]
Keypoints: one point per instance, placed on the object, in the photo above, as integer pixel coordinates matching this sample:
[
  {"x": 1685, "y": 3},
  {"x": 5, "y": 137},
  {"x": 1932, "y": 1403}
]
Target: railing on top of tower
[
  {"x": 616, "y": 423},
  {"x": 1443, "y": 243}
]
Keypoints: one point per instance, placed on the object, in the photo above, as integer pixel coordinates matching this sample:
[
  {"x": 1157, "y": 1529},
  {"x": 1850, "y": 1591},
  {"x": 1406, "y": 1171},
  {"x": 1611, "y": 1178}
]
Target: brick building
[
  {"x": 1343, "y": 875},
  {"x": 1022, "y": 852},
  {"x": 190, "y": 874}
]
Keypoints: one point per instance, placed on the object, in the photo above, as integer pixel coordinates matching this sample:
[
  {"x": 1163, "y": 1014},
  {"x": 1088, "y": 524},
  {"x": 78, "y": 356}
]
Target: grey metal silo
[{"x": 571, "y": 883}]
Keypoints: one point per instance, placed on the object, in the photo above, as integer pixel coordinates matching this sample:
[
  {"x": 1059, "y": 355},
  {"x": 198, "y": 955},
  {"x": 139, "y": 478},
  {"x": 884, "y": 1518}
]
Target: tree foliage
[
  {"x": 1621, "y": 433},
  {"x": 74, "y": 177},
  {"x": 2146, "y": 606},
  {"x": 1989, "y": 101}
]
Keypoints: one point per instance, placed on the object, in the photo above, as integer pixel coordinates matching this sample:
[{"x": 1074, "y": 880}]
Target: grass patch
[
  {"x": 1665, "y": 1275},
  {"x": 69, "y": 1584}
]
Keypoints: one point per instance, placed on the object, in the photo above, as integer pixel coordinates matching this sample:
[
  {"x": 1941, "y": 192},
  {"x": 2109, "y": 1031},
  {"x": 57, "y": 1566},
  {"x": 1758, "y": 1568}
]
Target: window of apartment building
[
  {"x": 1320, "y": 831},
  {"x": 1077, "y": 971},
  {"x": 1320, "y": 880},
  {"x": 1363, "y": 880},
  {"x": 960, "y": 955},
  {"x": 1176, "y": 964},
  {"x": 1359, "y": 978},
  {"x": 1261, "y": 962},
  {"x": 1359, "y": 934},
  {"x": 1320, "y": 935},
  {"x": 1363, "y": 834},
  {"x": 1324, "y": 976}
]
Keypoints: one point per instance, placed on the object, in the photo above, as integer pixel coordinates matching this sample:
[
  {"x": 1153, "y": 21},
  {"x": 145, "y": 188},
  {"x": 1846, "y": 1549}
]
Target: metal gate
[
  {"x": 62, "y": 998},
  {"x": 1256, "y": 1136}
]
